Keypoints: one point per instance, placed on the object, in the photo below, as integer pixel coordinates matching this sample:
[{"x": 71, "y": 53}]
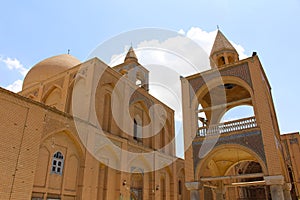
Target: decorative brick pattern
[
  {"x": 241, "y": 71},
  {"x": 251, "y": 140}
]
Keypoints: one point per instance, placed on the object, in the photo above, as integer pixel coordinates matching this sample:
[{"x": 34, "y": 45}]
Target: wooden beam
[
  {"x": 219, "y": 178},
  {"x": 245, "y": 184},
  {"x": 210, "y": 186},
  {"x": 224, "y": 105}
]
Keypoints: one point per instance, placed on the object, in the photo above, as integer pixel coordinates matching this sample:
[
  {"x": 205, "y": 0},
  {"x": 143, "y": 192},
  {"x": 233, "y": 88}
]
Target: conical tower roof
[
  {"x": 130, "y": 56},
  {"x": 221, "y": 43}
]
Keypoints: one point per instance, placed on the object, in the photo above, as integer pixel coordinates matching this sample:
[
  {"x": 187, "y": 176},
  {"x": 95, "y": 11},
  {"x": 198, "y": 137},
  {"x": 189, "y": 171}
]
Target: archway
[
  {"x": 247, "y": 188},
  {"x": 218, "y": 97},
  {"x": 237, "y": 112},
  {"x": 136, "y": 186},
  {"x": 232, "y": 172}
]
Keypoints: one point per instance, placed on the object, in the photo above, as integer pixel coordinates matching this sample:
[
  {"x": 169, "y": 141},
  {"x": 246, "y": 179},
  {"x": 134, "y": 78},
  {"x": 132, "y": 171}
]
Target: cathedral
[{"x": 86, "y": 130}]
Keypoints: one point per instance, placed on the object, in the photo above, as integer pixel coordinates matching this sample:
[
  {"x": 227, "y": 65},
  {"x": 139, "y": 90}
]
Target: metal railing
[{"x": 227, "y": 127}]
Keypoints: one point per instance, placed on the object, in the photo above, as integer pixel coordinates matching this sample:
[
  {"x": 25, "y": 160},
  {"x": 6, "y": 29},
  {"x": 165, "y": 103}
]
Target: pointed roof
[
  {"x": 130, "y": 55},
  {"x": 221, "y": 43}
]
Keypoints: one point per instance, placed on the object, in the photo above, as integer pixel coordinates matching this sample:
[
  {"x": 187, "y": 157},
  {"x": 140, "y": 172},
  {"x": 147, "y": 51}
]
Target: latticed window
[{"x": 57, "y": 163}]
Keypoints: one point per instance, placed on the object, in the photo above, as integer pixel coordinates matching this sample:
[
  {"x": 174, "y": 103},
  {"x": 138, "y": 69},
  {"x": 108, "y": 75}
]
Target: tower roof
[
  {"x": 130, "y": 56},
  {"x": 221, "y": 43}
]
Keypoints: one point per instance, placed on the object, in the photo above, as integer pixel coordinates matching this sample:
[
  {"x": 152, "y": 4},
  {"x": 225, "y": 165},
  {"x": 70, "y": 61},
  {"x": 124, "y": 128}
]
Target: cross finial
[
  {"x": 218, "y": 27},
  {"x": 68, "y": 51}
]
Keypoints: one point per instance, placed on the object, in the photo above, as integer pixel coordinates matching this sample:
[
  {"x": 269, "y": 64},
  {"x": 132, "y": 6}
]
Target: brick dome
[{"x": 48, "y": 68}]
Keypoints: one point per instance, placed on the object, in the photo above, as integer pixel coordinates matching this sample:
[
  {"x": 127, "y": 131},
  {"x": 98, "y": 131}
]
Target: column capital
[
  {"x": 287, "y": 186},
  {"x": 195, "y": 185},
  {"x": 274, "y": 180}
]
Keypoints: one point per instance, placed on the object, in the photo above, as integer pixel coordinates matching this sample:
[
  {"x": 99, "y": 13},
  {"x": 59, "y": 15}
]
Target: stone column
[
  {"x": 287, "y": 191},
  {"x": 195, "y": 195},
  {"x": 276, "y": 192},
  {"x": 276, "y": 186},
  {"x": 220, "y": 192},
  {"x": 194, "y": 188}
]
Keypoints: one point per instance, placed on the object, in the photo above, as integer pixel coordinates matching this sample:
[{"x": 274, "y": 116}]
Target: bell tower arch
[{"x": 207, "y": 96}]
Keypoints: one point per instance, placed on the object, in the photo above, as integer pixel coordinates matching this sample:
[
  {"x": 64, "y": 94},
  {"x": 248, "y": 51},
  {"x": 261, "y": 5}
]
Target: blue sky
[{"x": 32, "y": 30}]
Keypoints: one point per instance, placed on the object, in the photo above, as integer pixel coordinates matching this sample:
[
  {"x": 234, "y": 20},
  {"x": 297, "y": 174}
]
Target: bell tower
[
  {"x": 222, "y": 53},
  {"x": 133, "y": 70},
  {"x": 238, "y": 158}
]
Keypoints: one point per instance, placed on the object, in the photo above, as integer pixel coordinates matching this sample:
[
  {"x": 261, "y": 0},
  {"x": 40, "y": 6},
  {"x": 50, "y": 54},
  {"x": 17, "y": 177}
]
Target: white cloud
[
  {"x": 15, "y": 86},
  {"x": 240, "y": 50},
  {"x": 14, "y": 64},
  {"x": 184, "y": 54},
  {"x": 206, "y": 40},
  {"x": 202, "y": 38},
  {"x": 181, "y": 31},
  {"x": 166, "y": 60}
]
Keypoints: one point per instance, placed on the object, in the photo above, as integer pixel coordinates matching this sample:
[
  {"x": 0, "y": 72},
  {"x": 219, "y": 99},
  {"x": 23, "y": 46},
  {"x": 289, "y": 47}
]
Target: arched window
[
  {"x": 136, "y": 186},
  {"x": 57, "y": 163},
  {"x": 163, "y": 139},
  {"x": 107, "y": 113},
  {"x": 135, "y": 130},
  {"x": 179, "y": 187},
  {"x": 138, "y": 83},
  {"x": 163, "y": 188},
  {"x": 230, "y": 59},
  {"x": 221, "y": 61}
]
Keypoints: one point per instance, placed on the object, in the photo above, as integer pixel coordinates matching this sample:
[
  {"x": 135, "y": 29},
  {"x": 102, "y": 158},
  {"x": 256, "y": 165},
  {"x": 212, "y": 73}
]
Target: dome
[{"x": 48, "y": 68}]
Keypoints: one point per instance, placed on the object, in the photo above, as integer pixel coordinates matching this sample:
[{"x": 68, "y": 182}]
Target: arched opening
[
  {"x": 163, "y": 191},
  {"x": 237, "y": 112},
  {"x": 53, "y": 97},
  {"x": 141, "y": 80},
  {"x": 237, "y": 169},
  {"x": 107, "y": 117},
  {"x": 179, "y": 187},
  {"x": 137, "y": 129},
  {"x": 202, "y": 122},
  {"x": 136, "y": 186},
  {"x": 102, "y": 181},
  {"x": 221, "y": 61},
  {"x": 163, "y": 139},
  {"x": 182, "y": 191},
  {"x": 247, "y": 188},
  {"x": 138, "y": 83},
  {"x": 216, "y": 99},
  {"x": 230, "y": 59},
  {"x": 68, "y": 106}
]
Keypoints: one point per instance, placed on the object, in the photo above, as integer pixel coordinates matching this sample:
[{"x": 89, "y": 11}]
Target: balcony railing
[{"x": 227, "y": 127}]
